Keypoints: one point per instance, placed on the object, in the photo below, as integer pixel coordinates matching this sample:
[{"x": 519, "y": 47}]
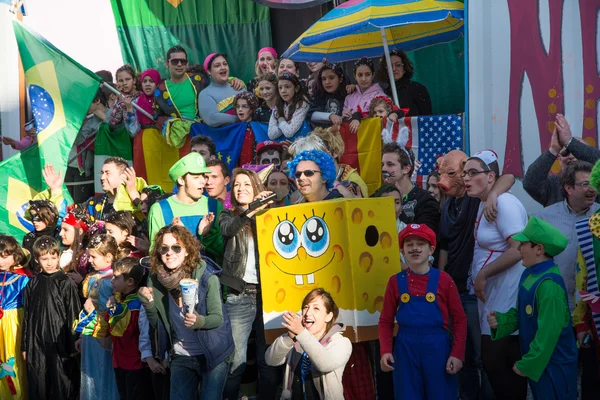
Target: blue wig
[{"x": 322, "y": 159}]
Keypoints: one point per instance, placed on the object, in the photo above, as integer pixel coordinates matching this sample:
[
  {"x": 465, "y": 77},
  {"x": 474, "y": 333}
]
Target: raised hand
[
  {"x": 293, "y": 323},
  {"x": 53, "y": 180}
]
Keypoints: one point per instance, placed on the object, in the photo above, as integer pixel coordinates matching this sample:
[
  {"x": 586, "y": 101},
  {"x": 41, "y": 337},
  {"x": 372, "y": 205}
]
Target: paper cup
[{"x": 189, "y": 290}]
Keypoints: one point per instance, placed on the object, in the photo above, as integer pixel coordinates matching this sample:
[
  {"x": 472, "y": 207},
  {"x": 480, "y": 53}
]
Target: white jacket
[{"x": 328, "y": 360}]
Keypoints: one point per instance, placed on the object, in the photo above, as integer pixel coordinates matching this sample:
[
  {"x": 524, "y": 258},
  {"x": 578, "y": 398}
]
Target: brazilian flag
[{"x": 60, "y": 91}]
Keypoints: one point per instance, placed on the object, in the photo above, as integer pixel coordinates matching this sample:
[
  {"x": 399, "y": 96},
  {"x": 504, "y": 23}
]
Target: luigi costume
[
  {"x": 548, "y": 347},
  {"x": 163, "y": 212}
]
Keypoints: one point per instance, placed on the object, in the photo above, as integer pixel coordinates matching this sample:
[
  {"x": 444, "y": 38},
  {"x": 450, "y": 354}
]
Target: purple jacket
[{"x": 360, "y": 102}]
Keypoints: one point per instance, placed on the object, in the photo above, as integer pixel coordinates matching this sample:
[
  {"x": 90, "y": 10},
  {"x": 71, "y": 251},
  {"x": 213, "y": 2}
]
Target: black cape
[{"x": 51, "y": 304}]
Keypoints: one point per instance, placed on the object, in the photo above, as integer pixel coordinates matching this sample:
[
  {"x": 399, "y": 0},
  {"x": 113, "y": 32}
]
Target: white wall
[{"x": 489, "y": 36}]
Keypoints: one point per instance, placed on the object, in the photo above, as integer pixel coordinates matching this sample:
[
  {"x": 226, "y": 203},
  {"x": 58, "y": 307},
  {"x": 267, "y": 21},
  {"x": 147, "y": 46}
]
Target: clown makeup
[
  {"x": 148, "y": 86},
  {"x": 270, "y": 157}
]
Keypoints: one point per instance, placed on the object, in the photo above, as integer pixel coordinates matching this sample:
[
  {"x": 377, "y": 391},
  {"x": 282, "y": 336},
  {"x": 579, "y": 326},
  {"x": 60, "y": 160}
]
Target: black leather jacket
[{"x": 235, "y": 239}]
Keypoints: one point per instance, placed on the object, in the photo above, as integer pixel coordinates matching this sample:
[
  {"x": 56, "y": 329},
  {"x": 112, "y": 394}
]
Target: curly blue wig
[{"x": 322, "y": 159}]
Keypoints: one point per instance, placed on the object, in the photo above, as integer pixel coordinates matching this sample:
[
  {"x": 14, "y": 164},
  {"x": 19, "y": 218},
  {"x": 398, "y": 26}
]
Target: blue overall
[
  {"x": 191, "y": 222},
  {"x": 559, "y": 379},
  {"x": 422, "y": 345}
]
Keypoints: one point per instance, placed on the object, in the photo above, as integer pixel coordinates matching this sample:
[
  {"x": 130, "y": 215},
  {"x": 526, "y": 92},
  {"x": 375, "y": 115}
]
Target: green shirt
[
  {"x": 553, "y": 317},
  {"x": 157, "y": 221},
  {"x": 183, "y": 96}
]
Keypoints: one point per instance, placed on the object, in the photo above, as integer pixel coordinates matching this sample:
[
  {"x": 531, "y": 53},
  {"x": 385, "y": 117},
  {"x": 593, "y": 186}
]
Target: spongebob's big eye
[
  {"x": 315, "y": 235},
  {"x": 286, "y": 239}
]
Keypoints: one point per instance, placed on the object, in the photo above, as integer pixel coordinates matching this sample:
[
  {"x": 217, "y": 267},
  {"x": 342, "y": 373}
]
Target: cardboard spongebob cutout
[{"x": 347, "y": 247}]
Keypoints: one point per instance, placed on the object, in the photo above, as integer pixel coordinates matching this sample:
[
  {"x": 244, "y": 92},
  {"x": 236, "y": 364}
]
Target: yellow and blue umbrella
[{"x": 355, "y": 29}]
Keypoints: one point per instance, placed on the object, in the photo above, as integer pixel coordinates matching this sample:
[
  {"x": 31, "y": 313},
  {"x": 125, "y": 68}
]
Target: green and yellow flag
[{"x": 61, "y": 92}]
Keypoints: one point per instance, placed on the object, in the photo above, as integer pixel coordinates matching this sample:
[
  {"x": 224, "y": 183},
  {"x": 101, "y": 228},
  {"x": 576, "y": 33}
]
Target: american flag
[{"x": 429, "y": 137}]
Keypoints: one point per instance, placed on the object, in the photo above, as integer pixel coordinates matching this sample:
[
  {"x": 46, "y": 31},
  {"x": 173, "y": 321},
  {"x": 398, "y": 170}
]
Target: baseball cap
[
  {"x": 541, "y": 232},
  {"x": 268, "y": 145},
  {"x": 193, "y": 163},
  {"x": 419, "y": 230}
]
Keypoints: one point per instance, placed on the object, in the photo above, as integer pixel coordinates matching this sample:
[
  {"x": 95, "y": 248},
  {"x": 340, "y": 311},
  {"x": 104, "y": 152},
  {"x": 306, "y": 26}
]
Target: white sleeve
[{"x": 512, "y": 216}]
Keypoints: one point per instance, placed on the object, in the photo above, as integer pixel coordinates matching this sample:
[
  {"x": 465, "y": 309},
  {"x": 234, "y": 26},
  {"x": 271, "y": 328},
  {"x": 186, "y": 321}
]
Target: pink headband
[
  {"x": 269, "y": 49},
  {"x": 207, "y": 61}
]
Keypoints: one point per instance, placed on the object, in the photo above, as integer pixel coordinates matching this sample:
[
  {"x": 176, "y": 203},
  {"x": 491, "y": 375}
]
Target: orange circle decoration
[
  {"x": 589, "y": 88},
  {"x": 552, "y": 93},
  {"x": 590, "y": 104},
  {"x": 551, "y": 126},
  {"x": 590, "y": 141},
  {"x": 529, "y": 309},
  {"x": 551, "y": 108},
  {"x": 405, "y": 298},
  {"x": 589, "y": 123},
  {"x": 430, "y": 297}
]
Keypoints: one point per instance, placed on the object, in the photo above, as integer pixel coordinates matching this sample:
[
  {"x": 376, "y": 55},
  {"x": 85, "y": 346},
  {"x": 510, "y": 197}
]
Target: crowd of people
[{"x": 487, "y": 300}]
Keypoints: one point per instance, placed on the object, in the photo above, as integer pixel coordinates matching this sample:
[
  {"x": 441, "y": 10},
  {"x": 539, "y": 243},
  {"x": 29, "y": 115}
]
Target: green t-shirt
[{"x": 184, "y": 97}]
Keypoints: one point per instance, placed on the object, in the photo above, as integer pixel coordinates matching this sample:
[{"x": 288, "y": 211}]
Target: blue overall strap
[
  {"x": 402, "y": 283},
  {"x": 167, "y": 212},
  {"x": 432, "y": 282},
  {"x": 212, "y": 206}
]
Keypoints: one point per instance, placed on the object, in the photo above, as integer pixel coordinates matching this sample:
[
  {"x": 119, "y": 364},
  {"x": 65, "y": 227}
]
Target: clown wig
[{"x": 322, "y": 159}]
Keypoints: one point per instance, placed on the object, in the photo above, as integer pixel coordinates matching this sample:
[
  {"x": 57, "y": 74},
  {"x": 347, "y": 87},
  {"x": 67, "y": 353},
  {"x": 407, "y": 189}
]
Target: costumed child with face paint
[
  {"x": 542, "y": 316},
  {"x": 426, "y": 304}
]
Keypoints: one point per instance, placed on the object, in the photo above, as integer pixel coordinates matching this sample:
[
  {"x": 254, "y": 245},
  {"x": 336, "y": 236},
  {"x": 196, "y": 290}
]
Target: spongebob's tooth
[
  {"x": 311, "y": 279},
  {"x": 299, "y": 280}
]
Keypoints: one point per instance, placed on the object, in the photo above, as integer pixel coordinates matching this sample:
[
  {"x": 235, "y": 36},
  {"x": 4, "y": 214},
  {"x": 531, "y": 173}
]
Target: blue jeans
[
  {"x": 472, "y": 379},
  {"x": 245, "y": 312},
  {"x": 188, "y": 372}
]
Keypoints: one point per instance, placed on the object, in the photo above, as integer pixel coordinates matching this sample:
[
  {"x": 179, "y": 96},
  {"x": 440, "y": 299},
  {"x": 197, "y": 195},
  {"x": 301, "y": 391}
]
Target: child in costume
[
  {"x": 97, "y": 376},
  {"x": 51, "y": 303},
  {"x": 245, "y": 104},
  {"x": 549, "y": 353},
  {"x": 13, "y": 278},
  {"x": 121, "y": 323},
  {"x": 425, "y": 302}
]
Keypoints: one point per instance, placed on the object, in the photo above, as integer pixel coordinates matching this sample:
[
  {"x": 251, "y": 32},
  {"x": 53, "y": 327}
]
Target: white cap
[{"x": 487, "y": 156}]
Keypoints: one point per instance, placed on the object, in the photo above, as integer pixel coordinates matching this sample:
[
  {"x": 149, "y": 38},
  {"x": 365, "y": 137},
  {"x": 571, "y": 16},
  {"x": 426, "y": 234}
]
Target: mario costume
[
  {"x": 426, "y": 306},
  {"x": 548, "y": 347}
]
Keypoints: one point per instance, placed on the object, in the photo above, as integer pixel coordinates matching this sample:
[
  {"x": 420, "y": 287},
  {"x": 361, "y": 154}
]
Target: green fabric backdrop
[{"x": 148, "y": 28}]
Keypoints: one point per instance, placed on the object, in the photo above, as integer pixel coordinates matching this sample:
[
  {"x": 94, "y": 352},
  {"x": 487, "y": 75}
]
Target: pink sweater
[
  {"x": 24, "y": 143},
  {"x": 360, "y": 102}
]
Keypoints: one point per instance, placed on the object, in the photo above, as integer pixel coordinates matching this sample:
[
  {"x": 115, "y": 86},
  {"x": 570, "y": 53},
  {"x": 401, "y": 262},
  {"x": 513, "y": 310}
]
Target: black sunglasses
[
  {"x": 165, "y": 249},
  {"x": 177, "y": 61},
  {"x": 307, "y": 173},
  {"x": 36, "y": 217}
]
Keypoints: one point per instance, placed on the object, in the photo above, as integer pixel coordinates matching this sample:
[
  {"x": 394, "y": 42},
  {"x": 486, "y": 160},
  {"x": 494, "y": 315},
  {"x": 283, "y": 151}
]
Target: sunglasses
[
  {"x": 36, "y": 217},
  {"x": 307, "y": 173},
  {"x": 177, "y": 61},
  {"x": 165, "y": 249}
]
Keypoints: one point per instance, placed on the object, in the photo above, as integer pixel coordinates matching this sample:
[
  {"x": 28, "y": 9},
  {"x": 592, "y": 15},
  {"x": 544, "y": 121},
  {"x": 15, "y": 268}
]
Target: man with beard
[
  {"x": 188, "y": 207},
  {"x": 564, "y": 147},
  {"x": 457, "y": 242}
]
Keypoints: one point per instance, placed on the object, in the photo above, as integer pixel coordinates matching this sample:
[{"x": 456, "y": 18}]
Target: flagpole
[
  {"x": 115, "y": 91},
  {"x": 82, "y": 150}
]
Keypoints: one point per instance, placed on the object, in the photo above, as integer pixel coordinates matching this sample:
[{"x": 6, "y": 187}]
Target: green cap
[
  {"x": 540, "y": 232},
  {"x": 193, "y": 163}
]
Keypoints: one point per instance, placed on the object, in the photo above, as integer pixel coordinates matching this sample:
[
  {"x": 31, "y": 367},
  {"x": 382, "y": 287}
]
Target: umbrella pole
[{"x": 388, "y": 61}]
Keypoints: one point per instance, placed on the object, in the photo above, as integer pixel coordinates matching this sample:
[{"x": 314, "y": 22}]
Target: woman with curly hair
[
  {"x": 200, "y": 339},
  {"x": 411, "y": 95},
  {"x": 314, "y": 172}
]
